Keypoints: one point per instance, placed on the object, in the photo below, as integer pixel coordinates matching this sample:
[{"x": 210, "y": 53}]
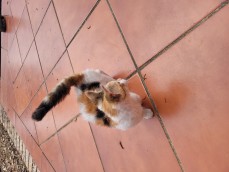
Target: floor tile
[
  {"x": 15, "y": 62},
  {"x": 40, "y": 160},
  {"x": 68, "y": 108},
  {"x": 78, "y": 147},
  {"x": 11, "y": 101},
  {"x": 71, "y": 15},
  {"x": 33, "y": 72},
  {"x": 17, "y": 7},
  {"x": 189, "y": 84},
  {"x": 149, "y": 26},
  {"x": 4, "y": 67},
  {"x": 141, "y": 148},
  {"x": 10, "y": 31},
  {"x": 46, "y": 127},
  {"x": 7, "y": 93},
  {"x": 49, "y": 41},
  {"x": 135, "y": 85},
  {"x": 5, "y": 10},
  {"x": 46, "y": 165},
  {"x": 6, "y": 7},
  {"x": 53, "y": 152},
  {"x": 4, "y": 40},
  {"x": 20, "y": 89},
  {"x": 99, "y": 45},
  {"x": 29, "y": 123},
  {"x": 24, "y": 34},
  {"x": 37, "y": 11}
]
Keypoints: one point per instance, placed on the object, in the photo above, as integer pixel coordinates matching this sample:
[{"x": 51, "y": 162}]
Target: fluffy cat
[{"x": 103, "y": 100}]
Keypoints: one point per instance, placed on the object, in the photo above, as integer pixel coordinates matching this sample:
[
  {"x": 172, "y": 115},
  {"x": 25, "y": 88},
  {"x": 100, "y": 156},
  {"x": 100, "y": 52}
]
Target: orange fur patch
[
  {"x": 90, "y": 106},
  {"x": 74, "y": 80},
  {"x": 107, "y": 106}
]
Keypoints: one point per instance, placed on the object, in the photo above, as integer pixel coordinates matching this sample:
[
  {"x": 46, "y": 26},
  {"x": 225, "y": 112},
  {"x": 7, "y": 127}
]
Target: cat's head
[{"x": 115, "y": 91}]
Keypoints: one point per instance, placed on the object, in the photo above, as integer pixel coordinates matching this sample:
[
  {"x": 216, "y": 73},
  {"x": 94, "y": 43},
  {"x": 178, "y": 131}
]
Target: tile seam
[
  {"x": 96, "y": 147},
  {"x": 67, "y": 45},
  {"x": 34, "y": 35},
  {"x": 20, "y": 58},
  {"x": 34, "y": 140},
  {"x": 61, "y": 128},
  {"x": 184, "y": 34},
  {"x": 4, "y": 49},
  {"x": 142, "y": 80},
  {"x": 78, "y": 30},
  {"x": 17, "y": 25},
  {"x": 83, "y": 23},
  {"x": 62, "y": 34}
]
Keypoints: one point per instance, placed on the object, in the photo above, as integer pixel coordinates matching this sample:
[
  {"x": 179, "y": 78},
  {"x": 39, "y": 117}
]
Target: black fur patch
[
  {"x": 54, "y": 98},
  {"x": 99, "y": 113},
  {"x": 106, "y": 121},
  {"x": 89, "y": 86},
  {"x": 41, "y": 111},
  {"x": 59, "y": 94}
]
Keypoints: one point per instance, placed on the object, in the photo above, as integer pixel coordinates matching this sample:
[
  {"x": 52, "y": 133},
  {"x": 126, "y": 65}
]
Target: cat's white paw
[
  {"x": 148, "y": 113},
  {"x": 122, "y": 81}
]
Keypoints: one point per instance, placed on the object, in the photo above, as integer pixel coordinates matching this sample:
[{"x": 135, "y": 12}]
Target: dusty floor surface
[{"x": 10, "y": 159}]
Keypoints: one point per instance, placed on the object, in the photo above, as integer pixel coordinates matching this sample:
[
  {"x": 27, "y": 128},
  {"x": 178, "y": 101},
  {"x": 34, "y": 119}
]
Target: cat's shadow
[{"x": 170, "y": 101}]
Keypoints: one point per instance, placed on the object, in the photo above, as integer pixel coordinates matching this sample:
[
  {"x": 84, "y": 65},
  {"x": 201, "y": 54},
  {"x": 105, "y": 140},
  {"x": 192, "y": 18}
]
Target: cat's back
[
  {"x": 91, "y": 75},
  {"x": 129, "y": 113}
]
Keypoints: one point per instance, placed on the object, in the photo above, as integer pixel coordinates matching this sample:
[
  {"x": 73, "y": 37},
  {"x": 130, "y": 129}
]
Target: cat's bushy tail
[{"x": 56, "y": 96}]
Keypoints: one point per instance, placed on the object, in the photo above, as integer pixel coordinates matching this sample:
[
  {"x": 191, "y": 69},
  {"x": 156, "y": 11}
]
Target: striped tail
[{"x": 56, "y": 96}]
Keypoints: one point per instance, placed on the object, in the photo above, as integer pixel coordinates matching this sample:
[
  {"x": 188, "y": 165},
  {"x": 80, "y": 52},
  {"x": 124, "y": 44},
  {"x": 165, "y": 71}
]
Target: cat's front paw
[{"x": 148, "y": 113}]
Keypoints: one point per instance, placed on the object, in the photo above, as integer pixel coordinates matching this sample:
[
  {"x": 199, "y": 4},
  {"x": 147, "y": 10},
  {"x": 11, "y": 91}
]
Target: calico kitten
[
  {"x": 102, "y": 100},
  {"x": 122, "y": 106}
]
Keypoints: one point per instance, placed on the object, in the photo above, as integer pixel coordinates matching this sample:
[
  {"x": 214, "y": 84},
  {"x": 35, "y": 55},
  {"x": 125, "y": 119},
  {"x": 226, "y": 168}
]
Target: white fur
[
  {"x": 91, "y": 75},
  {"x": 87, "y": 116},
  {"x": 130, "y": 110},
  {"x": 96, "y": 76}
]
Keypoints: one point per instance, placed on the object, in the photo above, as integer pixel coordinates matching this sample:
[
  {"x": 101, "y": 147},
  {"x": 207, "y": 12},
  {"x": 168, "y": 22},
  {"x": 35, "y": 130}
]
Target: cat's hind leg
[{"x": 147, "y": 113}]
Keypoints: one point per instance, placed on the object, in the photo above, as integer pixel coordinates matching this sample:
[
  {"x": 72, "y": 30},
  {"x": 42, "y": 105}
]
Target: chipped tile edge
[{"x": 18, "y": 142}]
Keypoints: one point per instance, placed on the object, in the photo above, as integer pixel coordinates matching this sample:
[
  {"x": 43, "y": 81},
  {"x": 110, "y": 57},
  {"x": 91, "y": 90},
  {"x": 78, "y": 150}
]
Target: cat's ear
[
  {"x": 93, "y": 95},
  {"x": 112, "y": 96}
]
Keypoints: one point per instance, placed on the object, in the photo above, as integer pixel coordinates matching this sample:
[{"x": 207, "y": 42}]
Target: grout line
[
  {"x": 179, "y": 38},
  {"x": 34, "y": 35},
  {"x": 41, "y": 19},
  {"x": 45, "y": 77},
  {"x": 82, "y": 24},
  {"x": 67, "y": 45},
  {"x": 142, "y": 80},
  {"x": 96, "y": 146},
  {"x": 132, "y": 74},
  {"x": 66, "y": 50},
  {"x": 18, "y": 23},
  {"x": 61, "y": 149},
  {"x": 89, "y": 14},
  {"x": 4, "y": 49},
  {"x": 20, "y": 59},
  {"x": 15, "y": 113},
  {"x": 123, "y": 37},
  {"x": 161, "y": 122},
  {"x": 57, "y": 131},
  {"x": 34, "y": 139}
]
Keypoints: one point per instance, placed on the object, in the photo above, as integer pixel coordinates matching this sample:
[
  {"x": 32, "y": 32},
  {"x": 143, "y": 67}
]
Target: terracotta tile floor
[{"x": 175, "y": 55}]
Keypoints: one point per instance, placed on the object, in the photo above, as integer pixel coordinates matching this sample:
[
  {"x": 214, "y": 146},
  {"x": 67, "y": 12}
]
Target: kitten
[{"x": 103, "y": 100}]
